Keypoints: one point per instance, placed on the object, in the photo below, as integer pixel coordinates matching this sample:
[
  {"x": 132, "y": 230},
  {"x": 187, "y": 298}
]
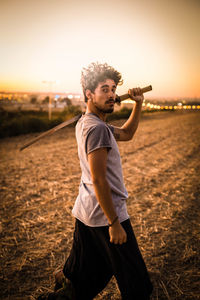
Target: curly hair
[{"x": 97, "y": 72}]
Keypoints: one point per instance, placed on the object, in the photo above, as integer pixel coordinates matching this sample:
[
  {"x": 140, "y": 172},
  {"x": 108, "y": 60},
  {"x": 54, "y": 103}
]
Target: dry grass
[{"x": 162, "y": 174}]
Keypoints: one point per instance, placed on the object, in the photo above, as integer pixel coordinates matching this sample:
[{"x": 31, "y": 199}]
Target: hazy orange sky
[{"x": 153, "y": 42}]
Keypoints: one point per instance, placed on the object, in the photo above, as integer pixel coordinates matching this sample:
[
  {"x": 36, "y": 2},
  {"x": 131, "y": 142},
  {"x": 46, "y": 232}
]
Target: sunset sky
[{"x": 153, "y": 42}]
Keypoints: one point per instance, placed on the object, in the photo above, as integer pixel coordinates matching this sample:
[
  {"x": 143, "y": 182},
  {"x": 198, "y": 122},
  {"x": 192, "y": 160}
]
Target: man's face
[{"x": 104, "y": 96}]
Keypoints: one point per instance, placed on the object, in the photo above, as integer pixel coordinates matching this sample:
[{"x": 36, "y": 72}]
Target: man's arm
[
  {"x": 126, "y": 132},
  {"x": 97, "y": 162}
]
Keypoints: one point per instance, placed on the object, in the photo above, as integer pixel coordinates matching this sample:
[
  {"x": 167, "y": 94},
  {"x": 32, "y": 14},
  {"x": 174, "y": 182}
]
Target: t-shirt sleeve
[
  {"x": 98, "y": 137},
  {"x": 111, "y": 128}
]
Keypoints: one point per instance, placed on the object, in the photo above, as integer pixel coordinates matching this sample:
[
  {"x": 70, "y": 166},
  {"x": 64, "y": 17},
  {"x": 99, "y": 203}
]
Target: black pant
[{"x": 94, "y": 260}]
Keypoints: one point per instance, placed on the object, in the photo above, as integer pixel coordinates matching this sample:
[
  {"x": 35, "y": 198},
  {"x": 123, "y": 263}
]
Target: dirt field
[{"x": 38, "y": 187}]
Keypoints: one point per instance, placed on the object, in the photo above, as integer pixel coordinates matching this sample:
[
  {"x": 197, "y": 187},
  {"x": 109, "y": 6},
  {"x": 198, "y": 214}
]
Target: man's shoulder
[{"x": 89, "y": 122}]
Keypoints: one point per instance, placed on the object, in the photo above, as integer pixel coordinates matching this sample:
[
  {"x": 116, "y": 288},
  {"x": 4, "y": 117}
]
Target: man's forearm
[
  {"x": 131, "y": 125},
  {"x": 103, "y": 194},
  {"x": 116, "y": 231}
]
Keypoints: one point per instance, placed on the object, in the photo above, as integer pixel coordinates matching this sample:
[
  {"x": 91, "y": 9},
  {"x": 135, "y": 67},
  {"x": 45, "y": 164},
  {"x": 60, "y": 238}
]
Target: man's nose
[{"x": 112, "y": 94}]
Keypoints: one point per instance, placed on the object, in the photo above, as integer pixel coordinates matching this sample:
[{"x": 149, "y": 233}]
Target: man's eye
[{"x": 105, "y": 90}]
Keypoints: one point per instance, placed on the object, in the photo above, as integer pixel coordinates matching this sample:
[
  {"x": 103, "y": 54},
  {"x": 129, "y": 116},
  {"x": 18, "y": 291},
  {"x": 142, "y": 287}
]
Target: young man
[{"x": 104, "y": 243}]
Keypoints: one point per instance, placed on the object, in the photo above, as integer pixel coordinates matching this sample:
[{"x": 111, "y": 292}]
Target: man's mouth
[{"x": 111, "y": 102}]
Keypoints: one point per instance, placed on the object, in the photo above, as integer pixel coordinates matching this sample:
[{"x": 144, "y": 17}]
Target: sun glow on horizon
[{"x": 147, "y": 47}]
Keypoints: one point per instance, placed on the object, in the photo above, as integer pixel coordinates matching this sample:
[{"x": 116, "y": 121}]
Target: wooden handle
[{"x": 126, "y": 96}]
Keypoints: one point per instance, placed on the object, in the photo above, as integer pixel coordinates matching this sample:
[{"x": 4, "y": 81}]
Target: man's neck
[{"x": 96, "y": 112}]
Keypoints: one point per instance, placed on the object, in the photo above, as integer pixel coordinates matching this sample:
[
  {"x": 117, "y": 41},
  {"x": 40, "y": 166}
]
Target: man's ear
[{"x": 88, "y": 94}]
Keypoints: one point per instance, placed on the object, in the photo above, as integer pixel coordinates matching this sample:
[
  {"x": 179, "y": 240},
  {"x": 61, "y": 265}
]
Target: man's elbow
[
  {"x": 128, "y": 135},
  {"x": 99, "y": 181}
]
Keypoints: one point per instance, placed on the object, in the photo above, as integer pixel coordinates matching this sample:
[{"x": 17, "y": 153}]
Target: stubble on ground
[{"x": 161, "y": 169}]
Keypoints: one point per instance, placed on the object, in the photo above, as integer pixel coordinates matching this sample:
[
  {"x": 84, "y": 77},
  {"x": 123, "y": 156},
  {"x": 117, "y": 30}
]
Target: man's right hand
[
  {"x": 117, "y": 234},
  {"x": 136, "y": 95}
]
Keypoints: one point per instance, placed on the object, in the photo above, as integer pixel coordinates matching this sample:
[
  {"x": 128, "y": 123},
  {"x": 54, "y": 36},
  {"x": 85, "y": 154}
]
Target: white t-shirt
[{"x": 91, "y": 134}]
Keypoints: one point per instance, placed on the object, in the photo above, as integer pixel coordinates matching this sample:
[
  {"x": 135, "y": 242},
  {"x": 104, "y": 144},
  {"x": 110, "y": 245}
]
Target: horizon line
[{"x": 78, "y": 93}]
